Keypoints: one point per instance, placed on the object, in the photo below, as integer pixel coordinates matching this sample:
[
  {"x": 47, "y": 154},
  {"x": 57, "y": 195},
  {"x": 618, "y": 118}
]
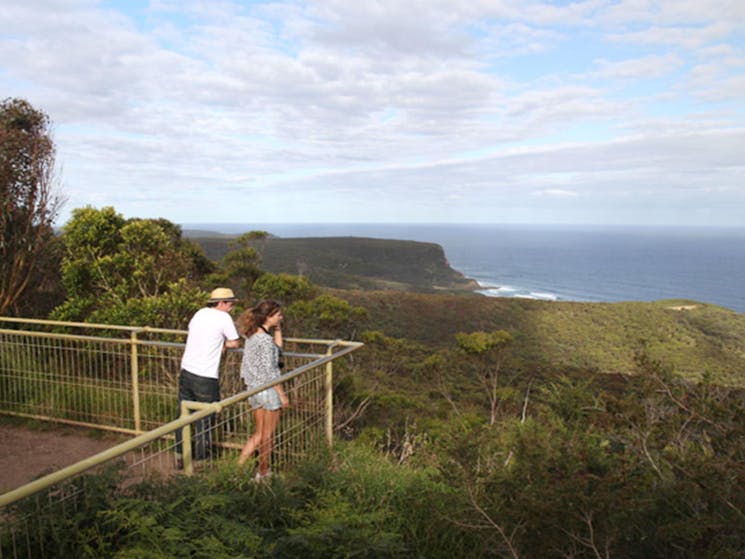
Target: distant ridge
[
  {"x": 352, "y": 262},
  {"x": 195, "y": 234}
]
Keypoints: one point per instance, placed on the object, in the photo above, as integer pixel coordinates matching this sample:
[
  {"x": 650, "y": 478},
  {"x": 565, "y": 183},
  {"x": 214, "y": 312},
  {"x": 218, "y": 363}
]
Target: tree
[
  {"x": 488, "y": 349},
  {"x": 241, "y": 264},
  {"x": 327, "y": 316},
  {"x": 28, "y": 199},
  {"x": 122, "y": 271},
  {"x": 286, "y": 288}
]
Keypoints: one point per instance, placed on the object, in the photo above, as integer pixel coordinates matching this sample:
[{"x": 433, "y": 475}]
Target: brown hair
[{"x": 253, "y": 318}]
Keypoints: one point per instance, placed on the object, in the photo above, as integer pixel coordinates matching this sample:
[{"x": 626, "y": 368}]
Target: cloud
[
  {"x": 556, "y": 193},
  {"x": 316, "y": 107},
  {"x": 652, "y": 66}
]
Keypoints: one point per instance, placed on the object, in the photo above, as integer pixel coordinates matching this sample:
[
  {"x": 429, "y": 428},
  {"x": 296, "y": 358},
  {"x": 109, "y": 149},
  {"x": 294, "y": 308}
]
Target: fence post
[
  {"x": 186, "y": 441},
  {"x": 329, "y": 382},
  {"x": 135, "y": 369}
]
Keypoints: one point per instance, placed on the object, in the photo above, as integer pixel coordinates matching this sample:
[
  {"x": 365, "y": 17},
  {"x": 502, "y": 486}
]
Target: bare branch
[
  {"x": 589, "y": 541},
  {"x": 505, "y": 538}
]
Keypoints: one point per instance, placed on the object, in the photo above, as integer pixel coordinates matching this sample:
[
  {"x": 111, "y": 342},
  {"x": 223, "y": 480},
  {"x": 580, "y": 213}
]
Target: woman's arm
[
  {"x": 280, "y": 391},
  {"x": 282, "y": 396}
]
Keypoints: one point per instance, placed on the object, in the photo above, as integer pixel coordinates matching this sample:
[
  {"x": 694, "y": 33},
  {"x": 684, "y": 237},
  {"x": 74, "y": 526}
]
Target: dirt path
[{"x": 29, "y": 453}]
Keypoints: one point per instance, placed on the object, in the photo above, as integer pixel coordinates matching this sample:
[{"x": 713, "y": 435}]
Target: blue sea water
[{"x": 568, "y": 263}]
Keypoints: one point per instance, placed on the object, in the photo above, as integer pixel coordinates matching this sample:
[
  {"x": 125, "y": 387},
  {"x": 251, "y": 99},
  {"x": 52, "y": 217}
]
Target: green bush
[{"x": 651, "y": 471}]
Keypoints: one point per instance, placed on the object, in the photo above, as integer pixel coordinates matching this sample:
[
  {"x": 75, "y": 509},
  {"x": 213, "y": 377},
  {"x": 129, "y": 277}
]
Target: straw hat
[{"x": 222, "y": 294}]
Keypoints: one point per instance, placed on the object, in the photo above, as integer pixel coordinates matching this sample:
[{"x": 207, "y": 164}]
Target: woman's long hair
[{"x": 252, "y": 319}]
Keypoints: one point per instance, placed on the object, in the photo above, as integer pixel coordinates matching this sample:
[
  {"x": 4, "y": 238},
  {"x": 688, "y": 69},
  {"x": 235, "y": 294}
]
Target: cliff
[{"x": 355, "y": 262}]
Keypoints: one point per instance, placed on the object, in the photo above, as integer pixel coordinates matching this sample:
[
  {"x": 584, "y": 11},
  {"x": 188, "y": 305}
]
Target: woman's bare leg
[
  {"x": 266, "y": 441},
  {"x": 254, "y": 440}
]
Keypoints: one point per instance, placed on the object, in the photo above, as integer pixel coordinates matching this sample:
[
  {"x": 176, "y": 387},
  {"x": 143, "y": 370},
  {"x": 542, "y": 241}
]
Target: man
[{"x": 211, "y": 332}]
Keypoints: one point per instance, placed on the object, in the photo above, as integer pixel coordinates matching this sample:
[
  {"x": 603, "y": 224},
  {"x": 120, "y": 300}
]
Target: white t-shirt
[{"x": 208, "y": 330}]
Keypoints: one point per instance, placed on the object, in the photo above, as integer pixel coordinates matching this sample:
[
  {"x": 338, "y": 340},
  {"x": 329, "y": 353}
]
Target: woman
[{"x": 261, "y": 326}]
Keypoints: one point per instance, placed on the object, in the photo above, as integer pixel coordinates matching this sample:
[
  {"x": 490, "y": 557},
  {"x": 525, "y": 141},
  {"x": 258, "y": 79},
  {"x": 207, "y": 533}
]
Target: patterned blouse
[{"x": 260, "y": 360}]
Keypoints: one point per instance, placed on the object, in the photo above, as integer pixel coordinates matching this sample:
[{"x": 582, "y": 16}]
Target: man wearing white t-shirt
[{"x": 211, "y": 332}]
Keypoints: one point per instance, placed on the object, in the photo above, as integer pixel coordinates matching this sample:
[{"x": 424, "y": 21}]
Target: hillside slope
[
  {"x": 411, "y": 292},
  {"x": 355, "y": 262},
  {"x": 692, "y": 338}
]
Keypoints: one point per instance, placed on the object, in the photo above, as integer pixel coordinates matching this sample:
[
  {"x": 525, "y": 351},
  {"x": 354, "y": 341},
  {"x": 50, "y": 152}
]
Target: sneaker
[{"x": 258, "y": 477}]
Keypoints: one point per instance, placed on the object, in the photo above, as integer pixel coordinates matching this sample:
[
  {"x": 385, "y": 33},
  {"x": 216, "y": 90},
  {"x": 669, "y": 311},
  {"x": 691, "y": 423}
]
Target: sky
[{"x": 491, "y": 111}]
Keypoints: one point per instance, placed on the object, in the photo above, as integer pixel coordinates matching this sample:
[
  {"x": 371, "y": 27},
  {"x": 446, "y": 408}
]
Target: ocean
[{"x": 568, "y": 263}]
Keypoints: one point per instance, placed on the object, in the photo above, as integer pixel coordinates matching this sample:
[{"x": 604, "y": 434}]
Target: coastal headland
[
  {"x": 352, "y": 262},
  {"x": 411, "y": 292}
]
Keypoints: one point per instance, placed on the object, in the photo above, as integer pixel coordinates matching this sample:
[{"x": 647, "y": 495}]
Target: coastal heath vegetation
[
  {"x": 467, "y": 426},
  {"x": 654, "y": 470}
]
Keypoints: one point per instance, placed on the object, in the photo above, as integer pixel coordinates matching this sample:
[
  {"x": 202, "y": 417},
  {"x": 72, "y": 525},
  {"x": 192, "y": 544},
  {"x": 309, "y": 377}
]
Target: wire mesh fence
[
  {"x": 125, "y": 380},
  {"x": 119, "y": 382},
  {"x": 128, "y": 383}
]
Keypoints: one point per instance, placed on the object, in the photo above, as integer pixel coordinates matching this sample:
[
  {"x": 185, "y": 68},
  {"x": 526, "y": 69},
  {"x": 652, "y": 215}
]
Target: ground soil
[{"x": 33, "y": 449}]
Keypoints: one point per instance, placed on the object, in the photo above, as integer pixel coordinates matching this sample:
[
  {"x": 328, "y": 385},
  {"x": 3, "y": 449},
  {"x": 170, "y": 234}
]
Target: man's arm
[
  {"x": 232, "y": 344},
  {"x": 232, "y": 339}
]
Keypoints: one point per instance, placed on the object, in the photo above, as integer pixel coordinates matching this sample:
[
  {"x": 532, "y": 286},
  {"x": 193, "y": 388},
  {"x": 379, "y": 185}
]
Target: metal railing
[
  {"x": 124, "y": 381},
  {"x": 127, "y": 382}
]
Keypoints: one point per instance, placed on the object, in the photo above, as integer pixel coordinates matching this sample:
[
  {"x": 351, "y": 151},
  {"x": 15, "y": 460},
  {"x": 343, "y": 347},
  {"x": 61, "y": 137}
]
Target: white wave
[
  {"x": 492, "y": 288},
  {"x": 544, "y": 296},
  {"x": 510, "y": 291},
  {"x": 498, "y": 290}
]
